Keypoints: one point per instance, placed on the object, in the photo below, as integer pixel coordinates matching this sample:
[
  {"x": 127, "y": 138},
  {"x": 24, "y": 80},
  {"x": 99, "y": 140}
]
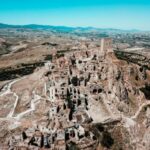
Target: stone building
[{"x": 106, "y": 45}]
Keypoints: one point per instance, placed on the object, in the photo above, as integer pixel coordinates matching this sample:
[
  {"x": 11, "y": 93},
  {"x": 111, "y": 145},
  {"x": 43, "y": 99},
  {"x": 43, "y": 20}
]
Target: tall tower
[{"x": 106, "y": 45}]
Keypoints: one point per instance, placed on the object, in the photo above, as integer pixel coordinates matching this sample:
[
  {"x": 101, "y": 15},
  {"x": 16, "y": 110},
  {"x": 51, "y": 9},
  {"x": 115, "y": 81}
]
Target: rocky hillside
[{"x": 84, "y": 96}]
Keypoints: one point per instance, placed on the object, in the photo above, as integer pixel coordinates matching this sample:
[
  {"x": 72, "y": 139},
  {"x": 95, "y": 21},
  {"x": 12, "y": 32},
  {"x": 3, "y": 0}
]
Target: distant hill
[{"x": 64, "y": 28}]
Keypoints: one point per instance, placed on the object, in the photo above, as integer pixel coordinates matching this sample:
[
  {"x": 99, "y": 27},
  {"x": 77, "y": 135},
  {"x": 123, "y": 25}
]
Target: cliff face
[{"x": 126, "y": 86}]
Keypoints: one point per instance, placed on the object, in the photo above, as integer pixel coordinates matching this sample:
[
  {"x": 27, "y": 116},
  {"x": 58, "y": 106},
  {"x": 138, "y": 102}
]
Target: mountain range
[{"x": 65, "y": 28}]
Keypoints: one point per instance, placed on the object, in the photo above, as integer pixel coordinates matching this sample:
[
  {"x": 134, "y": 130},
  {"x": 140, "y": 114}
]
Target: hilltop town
[{"x": 73, "y": 92}]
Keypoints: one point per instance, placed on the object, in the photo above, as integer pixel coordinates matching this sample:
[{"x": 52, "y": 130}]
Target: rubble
[{"x": 77, "y": 100}]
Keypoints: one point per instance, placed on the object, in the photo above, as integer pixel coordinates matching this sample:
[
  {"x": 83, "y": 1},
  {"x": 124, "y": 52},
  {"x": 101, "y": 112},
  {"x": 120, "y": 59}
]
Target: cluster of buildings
[{"x": 72, "y": 80}]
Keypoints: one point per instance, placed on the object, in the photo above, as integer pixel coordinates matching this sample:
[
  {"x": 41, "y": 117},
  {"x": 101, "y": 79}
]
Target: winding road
[{"x": 7, "y": 90}]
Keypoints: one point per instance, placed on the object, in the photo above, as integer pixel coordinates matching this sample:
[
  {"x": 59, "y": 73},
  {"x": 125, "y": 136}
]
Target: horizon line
[{"x": 114, "y": 28}]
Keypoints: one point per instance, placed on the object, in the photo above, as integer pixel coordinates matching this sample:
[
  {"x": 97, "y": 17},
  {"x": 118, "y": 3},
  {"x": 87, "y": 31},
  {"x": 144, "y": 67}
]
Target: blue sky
[{"x": 123, "y": 14}]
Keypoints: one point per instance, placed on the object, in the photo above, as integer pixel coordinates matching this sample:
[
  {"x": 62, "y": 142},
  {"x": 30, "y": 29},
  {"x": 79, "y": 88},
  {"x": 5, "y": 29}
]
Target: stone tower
[{"x": 106, "y": 45}]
